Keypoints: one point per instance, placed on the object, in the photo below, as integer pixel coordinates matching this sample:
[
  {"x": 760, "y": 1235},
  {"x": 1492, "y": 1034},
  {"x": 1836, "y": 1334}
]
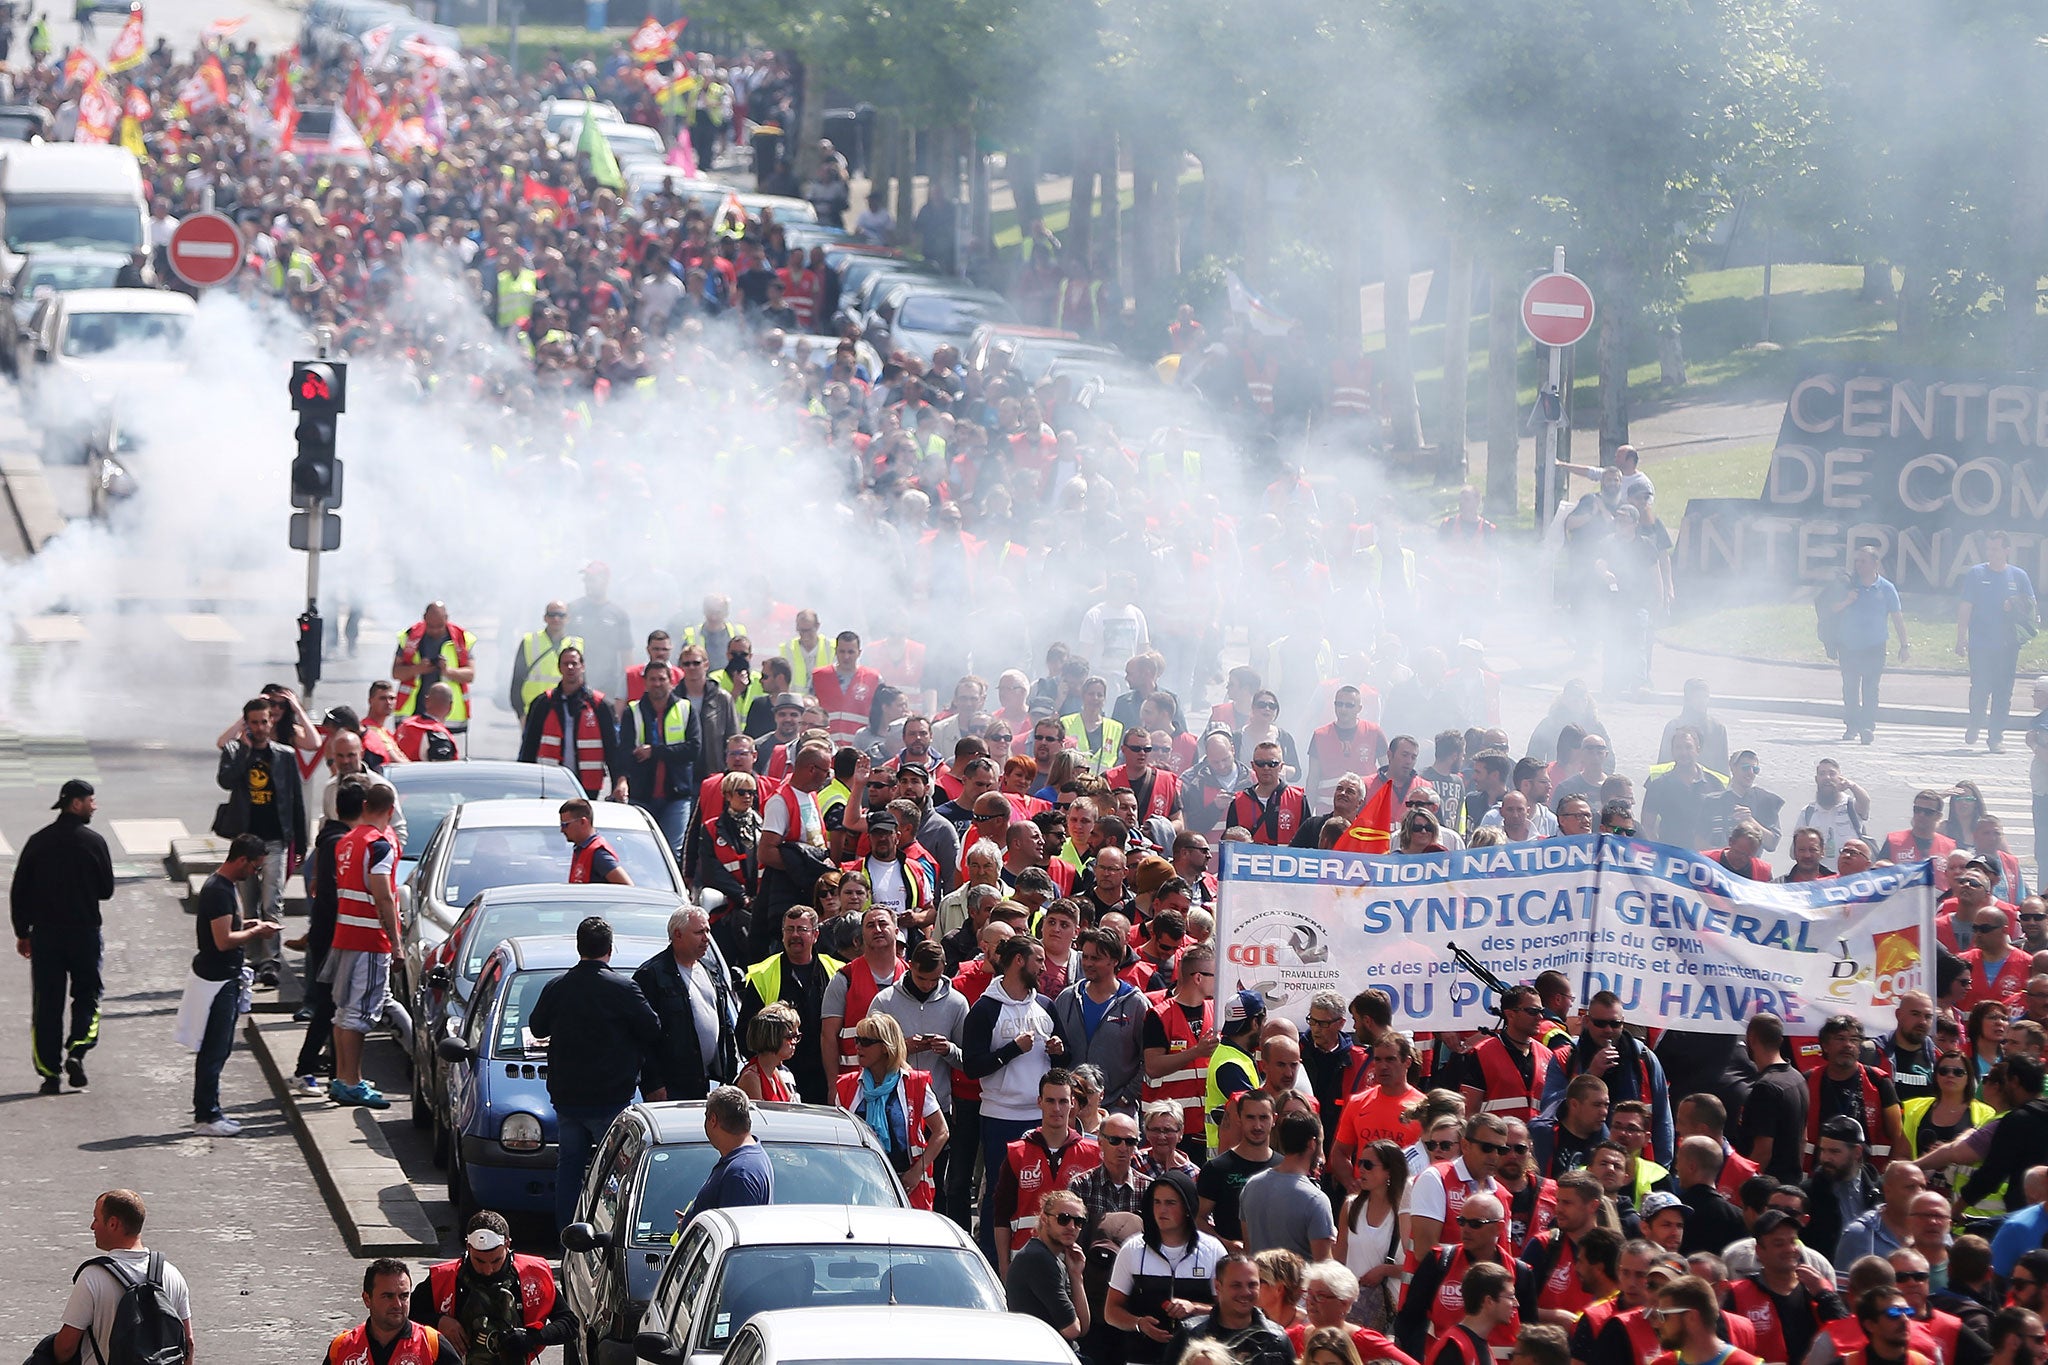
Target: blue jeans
[
  {"x": 996, "y": 1137},
  {"x": 579, "y": 1127},
  {"x": 674, "y": 819},
  {"x": 1861, "y": 668},
  {"x": 214, "y": 1046}
]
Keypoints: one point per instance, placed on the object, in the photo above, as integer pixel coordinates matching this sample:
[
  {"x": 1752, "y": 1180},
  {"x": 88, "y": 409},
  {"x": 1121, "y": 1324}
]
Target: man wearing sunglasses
[
  {"x": 1508, "y": 1073},
  {"x": 1439, "y": 1298},
  {"x": 1441, "y": 1192},
  {"x": 1997, "y": 972},
  {"x": 1606, "y": 1049},
  {"x": 1270, "y": 808},
  {"x": 1687, "y": 1322},
  {"x": 1920, "y": 839},
  {"x": 1157, "y": 789}
]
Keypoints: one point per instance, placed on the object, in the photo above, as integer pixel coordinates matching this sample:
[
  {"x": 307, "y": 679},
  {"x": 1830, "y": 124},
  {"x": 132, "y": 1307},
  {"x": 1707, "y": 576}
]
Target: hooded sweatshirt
[{"x": 1008, "y": 1073}]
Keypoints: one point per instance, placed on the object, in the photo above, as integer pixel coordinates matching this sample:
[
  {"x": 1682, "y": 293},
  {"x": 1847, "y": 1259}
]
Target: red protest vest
[
  {"x": 1335, "y": 756},
  {"x": 459, "y": 638},
  {"x": 589, "y": 764},
  {"x": 584, "y": 856},
  {"x": 1447, "y": 1308},
  {"x": 536, "y": 1290},
  {"x": 356, "y": 926},
  {"x": 1749, "y": 1300},
  {"x": 1734, "y": 1357},
  {"x": 1185, "y": 1085},
  {"x": 1507, "y": 1094},
  {"x": 1350, "y": 387},
  {"x": 1898, "y": 848},
  {"x": 1561, "y": 1287},
  {"x": 861, "y": 990},
  {"x": 1037, "y": 1172},
  {"x": 1289, "y": 808},
  {"x": 420, "y": 1345},
  {"x": 915, "y": 1085},
  {"x": 1851, "y": 1340},
  {"x": 1258, "y": 383},
  {"x": 1542, "y": 1215},
  {"x": 1165, "y": 794},
  {"x": 846, "y": 707},
  {"x": 1880, "y": 1152}
]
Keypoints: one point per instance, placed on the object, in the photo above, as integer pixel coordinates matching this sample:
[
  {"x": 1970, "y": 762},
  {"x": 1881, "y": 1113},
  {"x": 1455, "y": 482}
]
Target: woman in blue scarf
[{"x": 896, "y": 1103}]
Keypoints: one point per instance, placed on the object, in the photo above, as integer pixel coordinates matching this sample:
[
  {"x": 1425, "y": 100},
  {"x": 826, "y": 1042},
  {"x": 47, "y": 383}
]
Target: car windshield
[
  {"x": 949, "y": 314},
  {"x": 804, "y": 1174},
  {"x": 538, "y": 919},
  {"x": 90, "y": 334},
  {"x": 106, "y": 225},
  {"x": 522, "y": 854},
  {"x": 424, "y": 805},
  {"x": 762, "y": 1279},
  {"x": 63, "y": 276},
  {"x": 513, "y": 1040},
  {"x": 314, "y": 123}
]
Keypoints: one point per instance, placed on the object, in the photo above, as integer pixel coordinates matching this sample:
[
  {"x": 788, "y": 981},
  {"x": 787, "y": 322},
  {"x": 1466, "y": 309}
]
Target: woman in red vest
[{"x": 896, "y": 1103}]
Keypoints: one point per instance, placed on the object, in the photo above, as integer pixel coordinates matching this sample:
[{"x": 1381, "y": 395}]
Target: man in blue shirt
[
  {"x": 743, "y": 1176},
  {"x": 1865, "y": 603},
  {"x": 1997, "y": 600}
]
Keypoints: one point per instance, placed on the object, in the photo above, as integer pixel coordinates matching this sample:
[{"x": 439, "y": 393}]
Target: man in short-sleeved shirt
[
  {"x": 96, "y": 1294},
  {"x": 1284, "y": 1207},
  {"x": 1046, "y": 1271}
]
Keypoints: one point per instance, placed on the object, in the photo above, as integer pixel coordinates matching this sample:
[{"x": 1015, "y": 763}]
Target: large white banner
[{"x": 1683, "y": 942}]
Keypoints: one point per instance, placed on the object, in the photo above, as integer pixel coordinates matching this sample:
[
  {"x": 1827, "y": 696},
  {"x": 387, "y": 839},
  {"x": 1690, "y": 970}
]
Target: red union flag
[
  {"x": 80, "y": 67},
  {"x": 130, "y": 47},
  {"x": 284, "y": 106},
  {"x": 652, "y": 42},
  {"x": 360, "y": 101},
  {"x": 1374, "y": 830},
  {"x": 97, "y": 112},
  {"x": 206, "y": 88},
  {"x": 135, "y": 104}
]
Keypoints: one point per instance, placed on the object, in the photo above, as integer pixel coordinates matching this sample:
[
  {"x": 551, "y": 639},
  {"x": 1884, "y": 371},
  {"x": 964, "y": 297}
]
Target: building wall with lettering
[{"x": 1918, "y": 464}]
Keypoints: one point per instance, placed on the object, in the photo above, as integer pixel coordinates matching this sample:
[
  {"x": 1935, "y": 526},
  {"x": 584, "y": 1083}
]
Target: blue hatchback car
[{"x": 501, "y": 1120}]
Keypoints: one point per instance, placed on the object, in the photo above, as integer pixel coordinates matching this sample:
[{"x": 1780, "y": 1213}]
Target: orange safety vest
[
  {"x": 800, "y": 292},
  {"x": 1880, "y": 1152},
  {"x": 589, "y": 764},
  {"x": 846, "y": 706},
  {"x": 1165, "y": 794},
  {"x": 1185, "y": 1085},
  {"x": 1351, "y": 388},
  {"x": 1290, "y": 808},
  {"x": 861, "y": 990},
  {"x": 1038, "y": 1172},
  {"x": 356, "y": 926},
  {"x": 1447, "y": 1308},
  {"x": 407, "y": 691},
  {"x": 586, "y": 853},
  {"x": 1258, "y": 383},
  {"x": 1507, "y": 1095},
  {"x": 421, "y": 1345},
  {"x": 916, "y": 1084},
  {"x": 536, "y": 1290}
]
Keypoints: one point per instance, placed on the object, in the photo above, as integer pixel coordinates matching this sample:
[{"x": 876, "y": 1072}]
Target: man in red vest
[
  {"x": 1046, "y": 1158},
  {"x": 1269, "y": 808},
  {"x": 591, "y": 859},
  {"x": 846, "y": 690},
  {"x": 1688, "y": 1323},
  {"x": 389, "y": 1331},
  {"x": 468, "y": 1298},
  {"x": 1506, "y": 1072},
  {"x": 1157, "y": 789},
  {"x": 570, "y": 726},
  {"x": 365, "y": 933}
]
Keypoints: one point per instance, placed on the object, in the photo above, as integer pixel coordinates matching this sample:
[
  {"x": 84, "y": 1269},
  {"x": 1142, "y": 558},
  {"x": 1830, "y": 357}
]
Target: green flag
[{"x": 604, "y": 167}]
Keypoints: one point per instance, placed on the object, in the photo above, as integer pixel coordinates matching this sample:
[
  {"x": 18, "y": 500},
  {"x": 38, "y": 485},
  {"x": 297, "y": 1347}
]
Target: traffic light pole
[
  {"x": 320, "y": 384},
  {"x": 312, "y": 635}
]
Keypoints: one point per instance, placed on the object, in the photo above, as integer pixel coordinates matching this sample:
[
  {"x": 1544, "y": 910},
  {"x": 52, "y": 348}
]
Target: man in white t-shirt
[
  {"x": 97, "y": 1292},
  {"x": 1838, "y": 810},
  {"x": 1432, "y": 1202}
]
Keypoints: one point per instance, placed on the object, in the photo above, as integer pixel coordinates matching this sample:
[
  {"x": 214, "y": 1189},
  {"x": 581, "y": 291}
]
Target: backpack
[
  {"x": 1827, "y": 622},
  {"x": 147, "y": 1329},
  {"x": 439, "y": 747}
]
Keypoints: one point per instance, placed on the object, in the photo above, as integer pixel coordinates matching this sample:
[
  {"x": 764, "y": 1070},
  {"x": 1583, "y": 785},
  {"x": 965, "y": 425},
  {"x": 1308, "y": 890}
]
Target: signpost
[
  {"x": 1557, "y": 310},
  {"x": 206, "y": 249}
]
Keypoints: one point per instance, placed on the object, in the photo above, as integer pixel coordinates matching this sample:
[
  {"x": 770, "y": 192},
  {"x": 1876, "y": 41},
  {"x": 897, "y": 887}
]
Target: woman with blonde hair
[{"x": 896, "y": 1103}]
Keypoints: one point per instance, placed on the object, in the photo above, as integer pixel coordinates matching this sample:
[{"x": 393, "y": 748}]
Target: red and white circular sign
[
  {"x": 206, "y": 249},
  {"x": 1557, "y": 309}
]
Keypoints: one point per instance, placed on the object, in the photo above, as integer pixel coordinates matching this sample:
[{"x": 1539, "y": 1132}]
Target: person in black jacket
[
  {"x": 266, "y": 799},
  {"x": 697, "y": 1000},
  {"x": 661, "y": 768},
  {"x": 564, "y": 703},
  {"x": 2017, "y": 1143},
  {"x": 600, "y": 1032},
  {"x": 1711, "y": 1221},
  {"x": 1841, "y": 1187},
  {"x": 60, "y": 878}
]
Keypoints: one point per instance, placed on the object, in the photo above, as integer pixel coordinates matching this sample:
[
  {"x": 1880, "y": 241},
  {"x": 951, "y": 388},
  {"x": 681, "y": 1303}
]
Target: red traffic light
[
  {"x": 313, "y": 385},
  {"x": 319, "y": 385}
]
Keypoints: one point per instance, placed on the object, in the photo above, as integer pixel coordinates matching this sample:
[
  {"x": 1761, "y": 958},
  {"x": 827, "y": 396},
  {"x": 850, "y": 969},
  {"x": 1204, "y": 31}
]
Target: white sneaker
[
  {"x": 312, "y": 1085},
  {"x": 218, "y": 1128}
]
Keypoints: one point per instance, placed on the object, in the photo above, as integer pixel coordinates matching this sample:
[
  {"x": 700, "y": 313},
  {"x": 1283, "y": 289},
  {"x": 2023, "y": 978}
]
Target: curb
[
  {"x": 29, "y": 498},
  {"x": 366, "y": 1189}
]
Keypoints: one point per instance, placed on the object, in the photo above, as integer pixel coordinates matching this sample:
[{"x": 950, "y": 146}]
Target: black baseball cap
[{"x": 75, "y": 790}]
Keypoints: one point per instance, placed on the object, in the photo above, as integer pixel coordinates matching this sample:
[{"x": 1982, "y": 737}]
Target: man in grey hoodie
[{"x": 1101, "y": 1019}]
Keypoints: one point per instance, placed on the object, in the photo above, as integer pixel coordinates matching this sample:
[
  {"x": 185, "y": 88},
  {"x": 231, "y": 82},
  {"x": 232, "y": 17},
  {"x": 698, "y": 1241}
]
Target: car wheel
[
  {"x": 458, "y": 1185},
  {"x": 441, "y": 1142}
]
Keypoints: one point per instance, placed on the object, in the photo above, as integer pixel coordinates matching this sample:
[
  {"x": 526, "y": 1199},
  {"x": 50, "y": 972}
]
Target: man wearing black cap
[
  {"x": 60, "y": 878},
  {"x": 898, "y": 884},
  {"x": 1841, "y": 1188}
]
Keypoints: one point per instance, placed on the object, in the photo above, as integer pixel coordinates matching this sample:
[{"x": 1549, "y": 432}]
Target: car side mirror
[
  {"x": 583, "y": 1237},
  {"x": 454, "y": 1050},
  {"x": 711, "y": 900},
  {"x": 656, "y": 1348},
  {"x": 438, "y": 977}
]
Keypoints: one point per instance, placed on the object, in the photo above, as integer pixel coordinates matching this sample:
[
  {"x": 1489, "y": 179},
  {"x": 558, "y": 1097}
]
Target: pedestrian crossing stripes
[{"x": 43, "y": 760}]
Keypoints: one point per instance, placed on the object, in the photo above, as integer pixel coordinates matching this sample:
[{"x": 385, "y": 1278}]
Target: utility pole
[{"x": 319, "y": 391}]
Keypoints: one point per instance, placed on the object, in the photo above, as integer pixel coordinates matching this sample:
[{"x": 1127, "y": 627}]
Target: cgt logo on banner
[{"x": 1677, "y": 937}]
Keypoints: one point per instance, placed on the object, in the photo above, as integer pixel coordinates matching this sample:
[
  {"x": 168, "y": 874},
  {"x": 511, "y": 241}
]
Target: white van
[{"x": 62, "y": 194}]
